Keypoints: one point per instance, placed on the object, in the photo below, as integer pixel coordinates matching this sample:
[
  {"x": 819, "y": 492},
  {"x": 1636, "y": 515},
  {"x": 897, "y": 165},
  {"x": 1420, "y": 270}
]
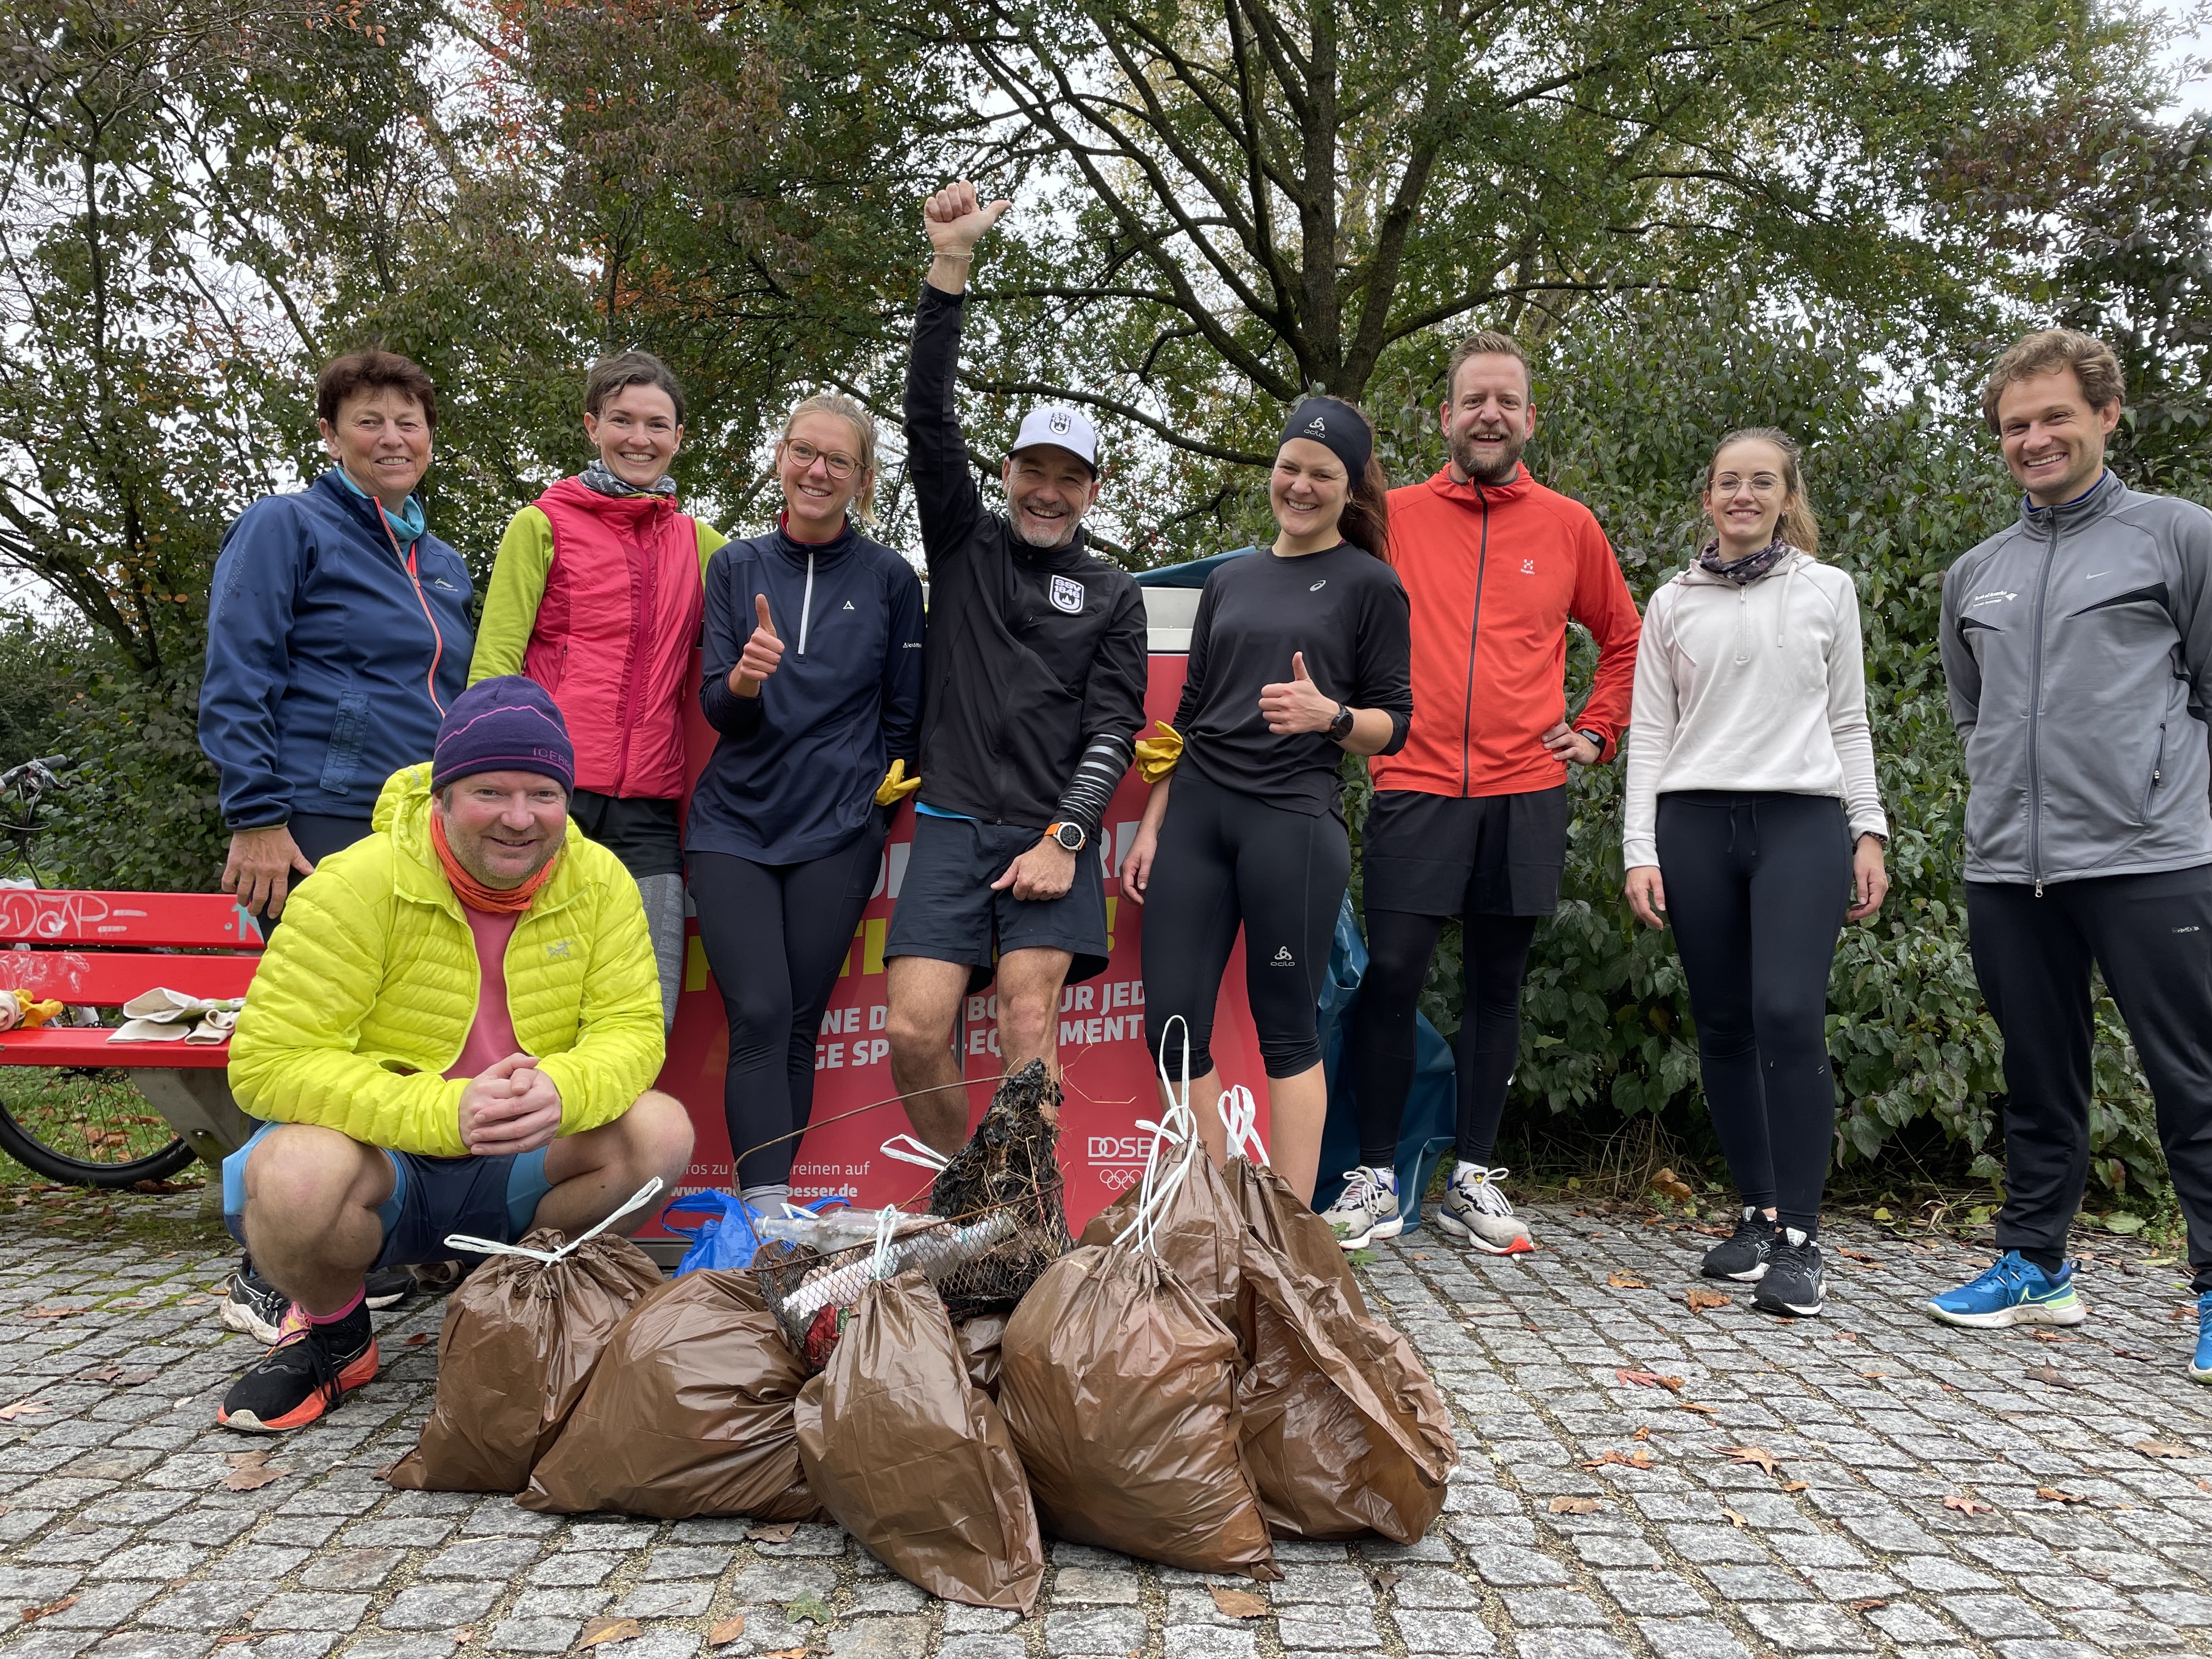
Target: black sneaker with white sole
[
  {"x": 1742, "y": 1254},
  {"x": 254, "y": 1307},
  {"x": 386, "y": 1286},
  {"x": 1794, "y": 1286}
]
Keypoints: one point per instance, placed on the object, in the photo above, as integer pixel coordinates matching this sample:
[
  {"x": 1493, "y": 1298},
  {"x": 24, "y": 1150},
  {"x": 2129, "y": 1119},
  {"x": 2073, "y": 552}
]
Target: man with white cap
[{"x": 1034, "y": 672}]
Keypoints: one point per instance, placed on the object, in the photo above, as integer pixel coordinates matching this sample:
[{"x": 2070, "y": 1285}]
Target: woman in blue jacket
[{"x": 813, "y": 679}]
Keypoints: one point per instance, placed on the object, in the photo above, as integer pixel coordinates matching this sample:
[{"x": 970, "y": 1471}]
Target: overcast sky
[{"x": 2196, "y": 93}]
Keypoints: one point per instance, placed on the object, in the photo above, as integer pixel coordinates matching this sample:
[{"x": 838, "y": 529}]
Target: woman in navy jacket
[{"x": 813, "y": 679}]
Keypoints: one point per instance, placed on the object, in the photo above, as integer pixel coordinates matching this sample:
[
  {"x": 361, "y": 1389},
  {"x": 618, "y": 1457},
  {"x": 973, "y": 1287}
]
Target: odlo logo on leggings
[{"x": 1283, "y": 958}]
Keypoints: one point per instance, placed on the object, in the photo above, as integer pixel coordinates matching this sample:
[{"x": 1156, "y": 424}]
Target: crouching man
[{"x": 454, "y": 1031}]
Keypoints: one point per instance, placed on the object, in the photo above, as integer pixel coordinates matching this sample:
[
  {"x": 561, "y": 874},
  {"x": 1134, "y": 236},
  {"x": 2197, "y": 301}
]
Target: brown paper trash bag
[
  {"x": 1199, "y": 1234},
  {"x": 913, "y": 1461},
  {"x": 979, "y": 1349},
  {"x": 1119, "y": 1386},
  {"x": 1289, "y": 1226},
  {"x": 690, "y": 1414},
  {"x": 517, "y": 1349},
  {"x": 1343, "y": 1429}
]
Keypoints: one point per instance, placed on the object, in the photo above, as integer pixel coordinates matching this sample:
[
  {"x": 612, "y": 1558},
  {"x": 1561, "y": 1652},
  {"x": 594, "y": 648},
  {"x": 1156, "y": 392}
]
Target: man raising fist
[{"x": 1034, "y": 675}]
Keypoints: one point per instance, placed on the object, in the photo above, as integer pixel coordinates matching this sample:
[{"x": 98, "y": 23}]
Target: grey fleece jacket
[{"x": 2077, "y": 644}]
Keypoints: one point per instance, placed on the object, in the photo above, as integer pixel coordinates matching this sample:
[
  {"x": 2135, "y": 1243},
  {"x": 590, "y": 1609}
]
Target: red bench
[{"x": 102, "y": 950}]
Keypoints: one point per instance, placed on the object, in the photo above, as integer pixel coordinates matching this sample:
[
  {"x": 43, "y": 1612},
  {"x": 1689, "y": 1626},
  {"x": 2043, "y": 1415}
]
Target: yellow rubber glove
[
  {"x": 1157, "y": 757},
  {"x": 896, "y": 785},
  {"x": 27, "y": 1011}
]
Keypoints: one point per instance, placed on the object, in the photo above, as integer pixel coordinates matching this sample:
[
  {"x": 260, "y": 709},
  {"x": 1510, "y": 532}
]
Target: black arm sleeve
[
  {"x": 1385, "y": 653},
  {"x": 1112, "y": 712},
  {"x": 1098, "y": 774},
  {"x": 937, "y": 455}
]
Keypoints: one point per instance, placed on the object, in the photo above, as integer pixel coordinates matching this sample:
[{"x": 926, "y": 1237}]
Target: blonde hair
[
  {"x": 1796, "y": 525},
  {"x": 2096, "y": 365},
  {"x": 864, "y": 439}
]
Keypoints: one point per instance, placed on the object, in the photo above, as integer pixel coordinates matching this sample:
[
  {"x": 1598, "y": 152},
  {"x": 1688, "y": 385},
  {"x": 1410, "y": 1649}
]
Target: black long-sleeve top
[
  {"x": 1345, "y": 610},
  {"x": 1033, "y": 653},
  {"x": 795, "y": 773}
]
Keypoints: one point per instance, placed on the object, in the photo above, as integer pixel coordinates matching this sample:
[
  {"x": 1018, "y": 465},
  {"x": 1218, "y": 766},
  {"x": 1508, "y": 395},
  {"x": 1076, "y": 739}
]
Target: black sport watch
[
  {"x": 1597, "y": 738},
  {"x": 1341, "y": 727},
  {"x": 1068, "y": 834}
]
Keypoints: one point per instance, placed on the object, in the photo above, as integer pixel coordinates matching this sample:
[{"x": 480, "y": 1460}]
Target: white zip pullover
[{"x": 1755, "y": 689}]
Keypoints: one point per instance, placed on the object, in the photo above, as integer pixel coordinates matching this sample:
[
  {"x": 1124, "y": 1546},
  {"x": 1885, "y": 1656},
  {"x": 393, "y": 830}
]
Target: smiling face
[
  {"x": 1746, "y": 497},
  {"x": 1049, "y": 489},
  {"x": 382, "y": 439},
  {"x": 636, "y": 433},
  {"x": 503, "y": 827},
  {"x": 1489, "y": 418},
  {"x": 808, "y": 459},
  {"x": 1307, "y": 490},
  {"x": 2052, "y": 436}
]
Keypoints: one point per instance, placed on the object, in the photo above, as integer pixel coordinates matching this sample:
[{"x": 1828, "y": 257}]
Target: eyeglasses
[
  {"x": 1761, "y": 483},
  {"x": 840, "y": 467}
]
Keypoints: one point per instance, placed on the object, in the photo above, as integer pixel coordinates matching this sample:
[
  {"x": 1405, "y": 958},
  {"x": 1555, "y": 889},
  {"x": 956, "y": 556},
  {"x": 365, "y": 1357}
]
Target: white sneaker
[
  {"x": 1475, "y": 1210},
  {"x": 1368, "y": 1210}
]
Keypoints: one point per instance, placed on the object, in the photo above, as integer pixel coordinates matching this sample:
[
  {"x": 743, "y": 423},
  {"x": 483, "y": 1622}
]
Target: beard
[
  {"x": 1044, "y": 541},
  {"x": 1499, "y": 472}
]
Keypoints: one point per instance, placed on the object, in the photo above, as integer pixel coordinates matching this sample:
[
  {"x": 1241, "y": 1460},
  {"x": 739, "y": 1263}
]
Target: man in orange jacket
[{"x": 1470, "y": 818}]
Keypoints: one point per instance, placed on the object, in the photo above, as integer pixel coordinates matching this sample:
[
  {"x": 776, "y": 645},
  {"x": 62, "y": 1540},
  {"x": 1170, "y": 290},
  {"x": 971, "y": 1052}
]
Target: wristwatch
[
  {"x": 1341, "y": 727},
  {"x": 1068, "y": 834},
  {"x": 1597, "y": 738}
]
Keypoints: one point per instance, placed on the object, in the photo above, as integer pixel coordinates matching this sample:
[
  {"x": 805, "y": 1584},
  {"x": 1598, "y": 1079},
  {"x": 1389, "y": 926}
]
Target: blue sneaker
[
  {"x": 2013, "y": 1290},
  {"x": 2200, "y": 1368}
]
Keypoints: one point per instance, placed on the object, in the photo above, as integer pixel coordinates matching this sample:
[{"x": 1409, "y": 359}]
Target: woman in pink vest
[{"x": 597, "y": 595}]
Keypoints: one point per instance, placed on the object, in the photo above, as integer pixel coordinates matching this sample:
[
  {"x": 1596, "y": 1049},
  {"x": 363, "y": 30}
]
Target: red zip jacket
[{"x": 1495, "y": 574}]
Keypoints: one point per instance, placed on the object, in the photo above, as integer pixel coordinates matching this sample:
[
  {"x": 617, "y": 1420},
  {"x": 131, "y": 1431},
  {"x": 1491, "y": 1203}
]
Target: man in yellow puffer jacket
[{"x": 454, "y": 1032}]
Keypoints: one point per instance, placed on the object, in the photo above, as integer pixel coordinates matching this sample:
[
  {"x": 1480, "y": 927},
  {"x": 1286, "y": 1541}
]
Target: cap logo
[{"x": 1059, "y": 422}]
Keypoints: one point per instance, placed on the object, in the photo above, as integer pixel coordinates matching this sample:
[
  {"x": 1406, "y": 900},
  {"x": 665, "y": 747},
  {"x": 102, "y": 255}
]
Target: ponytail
[{"x": 1798, "y": 526}]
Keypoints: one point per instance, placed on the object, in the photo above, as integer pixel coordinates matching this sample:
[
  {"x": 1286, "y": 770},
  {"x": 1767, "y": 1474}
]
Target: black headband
[{"x": 1337, "y": 424}]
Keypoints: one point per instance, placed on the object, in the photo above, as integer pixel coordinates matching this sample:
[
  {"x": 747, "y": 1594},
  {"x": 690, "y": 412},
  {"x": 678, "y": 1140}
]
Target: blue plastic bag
[
  {"x": 1431, "y": 1121},
  {"x": 726, "y": 1238}
]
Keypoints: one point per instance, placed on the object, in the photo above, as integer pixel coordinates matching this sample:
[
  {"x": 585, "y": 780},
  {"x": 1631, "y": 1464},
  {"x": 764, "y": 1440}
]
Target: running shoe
[
  {"x": 254, "y": 1307},
  {"x": 1793, "y": 1285},
  {"x": 310, "y": 1370},
  {"x": 1368, "y": 1210},
  {"x": 1742, "y": 1255},
  {"x": 2200, "y": 1368},
  {"x": 1475, "y": 1210},
  {"x": 2013, "y": 1290},
  {"x": 387, "y": 1285}
]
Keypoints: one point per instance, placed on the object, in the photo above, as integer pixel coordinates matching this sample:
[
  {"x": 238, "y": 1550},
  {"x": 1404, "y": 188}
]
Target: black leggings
[
  {"x": 1385, "y": 1039},
  {"x": 1757, "y": 885},
  {"x": 776, "y": 935},
  {"x": 1227, "y": 859}
]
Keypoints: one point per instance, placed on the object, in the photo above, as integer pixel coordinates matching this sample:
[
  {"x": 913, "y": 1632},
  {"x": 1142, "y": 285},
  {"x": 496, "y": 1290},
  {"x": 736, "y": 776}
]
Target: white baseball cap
[{"x": 1063, "y": 429}]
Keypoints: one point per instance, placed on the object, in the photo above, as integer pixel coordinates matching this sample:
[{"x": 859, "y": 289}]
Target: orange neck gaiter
[{"x": 496, "y": 901}]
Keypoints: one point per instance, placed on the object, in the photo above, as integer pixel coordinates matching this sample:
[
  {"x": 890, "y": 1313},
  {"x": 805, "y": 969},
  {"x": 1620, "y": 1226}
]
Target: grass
[
  {"x": 65, "y": 1108},
  {"x": 96, "y": 1115}
]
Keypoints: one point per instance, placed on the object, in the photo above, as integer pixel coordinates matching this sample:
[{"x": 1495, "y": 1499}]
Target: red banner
[{"x": 1109, "y": 1077}]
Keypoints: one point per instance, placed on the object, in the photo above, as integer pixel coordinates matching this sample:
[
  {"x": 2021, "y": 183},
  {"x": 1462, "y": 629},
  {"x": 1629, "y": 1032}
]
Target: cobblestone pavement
[{"x": 1895, "y": 1487}]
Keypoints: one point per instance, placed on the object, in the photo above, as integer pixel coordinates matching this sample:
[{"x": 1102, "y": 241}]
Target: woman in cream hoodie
[{"x": 1753, "y": 825}]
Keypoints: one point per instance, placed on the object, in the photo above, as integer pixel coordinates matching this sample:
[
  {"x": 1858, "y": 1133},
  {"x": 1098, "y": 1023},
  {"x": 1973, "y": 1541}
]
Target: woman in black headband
[{"x": 1299, "y": 657}]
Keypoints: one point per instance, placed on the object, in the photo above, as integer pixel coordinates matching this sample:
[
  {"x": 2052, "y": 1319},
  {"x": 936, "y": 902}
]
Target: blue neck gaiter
[{"x": 407, "y": 525}]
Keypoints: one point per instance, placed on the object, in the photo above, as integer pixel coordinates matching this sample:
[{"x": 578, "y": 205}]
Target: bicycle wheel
[{"x": 86, "y": 1128}]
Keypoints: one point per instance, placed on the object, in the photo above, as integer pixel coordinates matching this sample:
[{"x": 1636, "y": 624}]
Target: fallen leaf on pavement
[
  {"x": 2053, "y": 1495},
  {"x": 109, "y": 1374},
  {"x": 1861, "y": 1255},
  {"x": 1692, "y": 1406},
  {"x": 1574, "y": 1506},
  {"x": 2186, "y": 1312},
  {"x": 1419, "y": 1256},
  {"x": 1797, "y": 1486},
  {"x": 111, "y": 1469},
  {"x": 1867, "y": 1604},
  {"x": 1873, "y": 1376},
  {"x": 2051, "y": 1336},
  {"x": 785, "y": 1653},
  {"x": 808, "y": 1607},
  {"x": 778, "y": 1534},
  {"x": 29, "y": 1613},
  {"x": 1845, "y": 1336},
  {"x": 2162, "y": 1448},
  {"x": 1970, "y": 1506},
  {"x": 1758, "y": 1455},
  {"x": 2052, "y": 1375},
  {"x": 1240, "y": 1604},
  {"x": 253, "y": 1480},
  {"x": 1386, "y": 1576},
  {"x": 465, "y": 1635},
  {"x": 50, "y": 1313},
  {"x": 417, "y": 1340},
  {"x": 247, "y": 1460},
  {"x": 1641, "y": 1461},
  {"x": 1732, "y": 1517},
  {"x": 1651, "y": 1380},
  {"x": 1625, "y": 1282},
  {"x": 1701, "y": 1299},
  {"x": 727, "y": 1632},
  {"x": 133, "y": 1379},
  {"x": 599, "y": 1633},
  {"x": 228, "y": 1640},
  {"x": 22, "y": 1408}
]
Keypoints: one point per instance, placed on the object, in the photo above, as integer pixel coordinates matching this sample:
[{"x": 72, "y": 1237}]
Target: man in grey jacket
[{"x": 2077, "y": 643}]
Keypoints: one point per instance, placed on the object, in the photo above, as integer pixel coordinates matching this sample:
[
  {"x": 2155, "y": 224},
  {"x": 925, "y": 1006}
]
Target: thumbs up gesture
[
  {"x": 763, "y": 652},
  {"x": 1297, "y": 704},
  {"x": 957, "y": 219}
]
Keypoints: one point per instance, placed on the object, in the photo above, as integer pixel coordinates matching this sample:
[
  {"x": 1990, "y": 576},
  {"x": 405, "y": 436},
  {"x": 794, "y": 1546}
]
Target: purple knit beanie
[{"x": 503, "y": 725}]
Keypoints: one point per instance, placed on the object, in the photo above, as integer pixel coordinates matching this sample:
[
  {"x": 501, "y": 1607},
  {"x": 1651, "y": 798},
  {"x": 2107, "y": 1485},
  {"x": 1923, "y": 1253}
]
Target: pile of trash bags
[{"x": 1197, "y": 1378}]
